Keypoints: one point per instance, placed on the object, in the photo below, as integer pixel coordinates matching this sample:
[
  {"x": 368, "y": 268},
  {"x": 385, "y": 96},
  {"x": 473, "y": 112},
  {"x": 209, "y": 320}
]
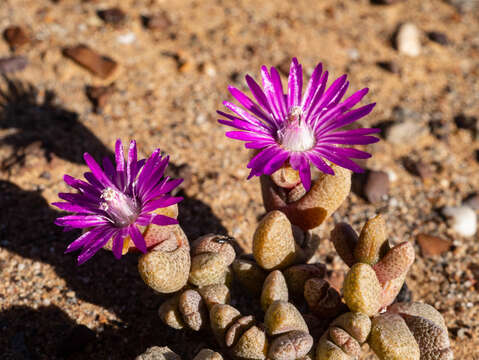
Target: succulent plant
[
  {"x": 165, "y": 268},
  {"x": 377, "y": 271},
  {"x": 293, "y": 311},
  {"x": 308, "y": 209}
]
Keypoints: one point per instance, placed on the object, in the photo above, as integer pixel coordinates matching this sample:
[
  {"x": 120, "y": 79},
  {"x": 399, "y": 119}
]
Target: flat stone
[
  {"x": 433, "y": 245},
  {"x": 99, "y": 65}
]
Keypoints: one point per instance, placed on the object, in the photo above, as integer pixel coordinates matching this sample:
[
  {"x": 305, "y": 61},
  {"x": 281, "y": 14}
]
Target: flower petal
[
  {"x": 118, "y": 241},
  {"x": 137, "y": 238},
  {"x": 320, "y": 163},
  {"x": 312, "y": 87},
  {"x": 295, "y": 84},
  {"x": 80, "y": 221},
  {"x": 97, "y": 171}
]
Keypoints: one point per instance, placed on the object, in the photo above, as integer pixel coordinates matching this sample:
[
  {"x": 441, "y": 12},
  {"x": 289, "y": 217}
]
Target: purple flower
[
  {"x": 115, "y": 200},
  {"x": 301, "y": 130}
]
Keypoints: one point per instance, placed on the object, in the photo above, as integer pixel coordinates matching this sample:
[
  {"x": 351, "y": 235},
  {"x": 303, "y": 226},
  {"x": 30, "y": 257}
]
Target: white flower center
[
  {"x": 122, "y": 209},
  {"x": 296, "y": 135}
]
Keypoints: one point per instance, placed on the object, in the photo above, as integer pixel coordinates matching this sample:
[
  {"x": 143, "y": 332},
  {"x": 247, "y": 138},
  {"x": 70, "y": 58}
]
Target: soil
[{"x": 170, "y": 79}]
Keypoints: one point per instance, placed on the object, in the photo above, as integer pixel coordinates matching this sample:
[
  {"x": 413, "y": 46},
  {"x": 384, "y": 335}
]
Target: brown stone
[
  {"x": 376, "y": 186},
  {"x": 99, "y": 65},
  {"x": 99, "y": 96},
  {"x": 15, "y": 36},
  {"x": 159, "y": 21},
  {"x": 114, "y": 16},
  {"x": 433, "y": 245}
]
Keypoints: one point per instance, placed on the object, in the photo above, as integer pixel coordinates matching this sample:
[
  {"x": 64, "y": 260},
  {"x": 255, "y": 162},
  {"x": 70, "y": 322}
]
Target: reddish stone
[
  {"x": 15, "y": 36},
  {"x": 99, "y": 65},
  {"x": 433, "y": 245}
]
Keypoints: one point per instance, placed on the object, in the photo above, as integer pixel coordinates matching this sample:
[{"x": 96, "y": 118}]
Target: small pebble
[
  {"x": 389, "y": 66},
  {"x": 418, "y": 168},
  {"x": 438, "y": 37},
  {"x": 159, "y": 21},
  {"x": 99, "y": 65},
  {"x": 126, "y": 39},
  {"x": 114, "y": 16},
  {"x": 463, "y": 219},
  {"x": 376, "y": 186},
  {"x": 15, "y": 36},
  {"x": 408, "y": 40},
  {"x": 433, "y": 245},
  {"x": 99, "y": 96},
  {"x": 466, "y": 122},
  {"x": 472, "y": 201}
]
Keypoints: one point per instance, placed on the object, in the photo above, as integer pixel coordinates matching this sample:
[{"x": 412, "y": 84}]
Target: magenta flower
[
  {"x": 115, "y": 200},
  {"x": 301, "y": 130}
]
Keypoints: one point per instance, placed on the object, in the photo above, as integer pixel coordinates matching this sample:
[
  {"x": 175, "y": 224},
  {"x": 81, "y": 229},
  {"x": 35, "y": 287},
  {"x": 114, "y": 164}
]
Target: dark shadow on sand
[{"x": 41, "y": 119}]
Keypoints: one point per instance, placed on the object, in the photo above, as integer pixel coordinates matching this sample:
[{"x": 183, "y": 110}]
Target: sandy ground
[{"x": 169, "y": 83}]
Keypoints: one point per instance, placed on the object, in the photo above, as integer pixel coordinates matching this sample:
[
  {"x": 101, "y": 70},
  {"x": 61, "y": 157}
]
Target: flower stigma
[
  {"x": 296, "y": 135},
  {"x": 122, "y": 209}
]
